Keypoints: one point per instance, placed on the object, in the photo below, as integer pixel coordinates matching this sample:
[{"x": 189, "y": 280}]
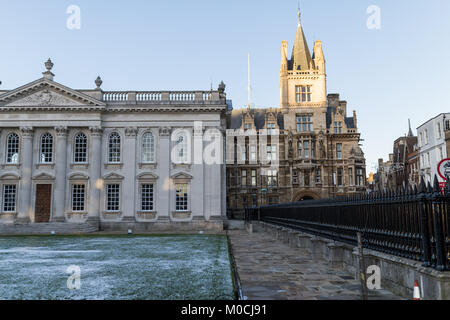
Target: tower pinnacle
[{"x": 299, "y": 14}]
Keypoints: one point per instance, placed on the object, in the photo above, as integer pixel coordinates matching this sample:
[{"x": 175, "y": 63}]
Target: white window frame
[
  {"x": 14, "y": 159},
  {"x": 72, "y": 198},
  {"x": 110, "y": 183},
  {"x": 84, "y": 152},
  {"x": 42, "y": 156},
  {"x": 141, "y": 199},
  {"x": 151, "y": 149},
  {"x": 112, "y": 154},
  {"x": 3, "y": 190},
  {"x": 186, "y": 201}
]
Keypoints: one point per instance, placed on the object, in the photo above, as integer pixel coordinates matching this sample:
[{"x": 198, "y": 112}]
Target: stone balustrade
[{"x": 162, "y": 97}]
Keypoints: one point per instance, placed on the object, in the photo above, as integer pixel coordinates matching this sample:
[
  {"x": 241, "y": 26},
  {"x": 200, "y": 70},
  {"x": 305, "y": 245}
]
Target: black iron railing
[{"x": 408, "y": 223}]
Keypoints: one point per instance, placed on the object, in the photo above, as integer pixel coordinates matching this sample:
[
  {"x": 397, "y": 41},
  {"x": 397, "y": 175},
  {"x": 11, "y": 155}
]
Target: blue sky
[{"x": 389, "y": 75}]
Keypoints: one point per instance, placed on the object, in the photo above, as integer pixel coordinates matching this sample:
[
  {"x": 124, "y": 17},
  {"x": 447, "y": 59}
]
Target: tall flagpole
[{"x": 249, "y": 86}]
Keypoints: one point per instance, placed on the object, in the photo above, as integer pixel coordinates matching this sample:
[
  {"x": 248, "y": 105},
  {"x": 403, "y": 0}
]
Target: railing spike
[
  {"x": 422, "y": 186},
  {"x": 429, "y": 188},
  {"x": 436, "y": 187},
  {"x": 415, "y": 189},
  {"x": 447, "y": 187}
]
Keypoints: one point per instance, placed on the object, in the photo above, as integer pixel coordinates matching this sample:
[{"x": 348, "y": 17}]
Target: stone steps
[{"x": 46, "y": 228}]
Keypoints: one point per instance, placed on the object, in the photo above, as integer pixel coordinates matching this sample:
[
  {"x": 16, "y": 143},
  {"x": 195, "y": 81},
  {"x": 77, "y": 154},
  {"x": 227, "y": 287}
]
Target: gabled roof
[{"x": 59, "y": 91}]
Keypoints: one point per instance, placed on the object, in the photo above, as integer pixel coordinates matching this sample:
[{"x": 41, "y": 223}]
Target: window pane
[
  {"x": 114, "y": 148},
  {"x": 148, "y": 148},
  {"x": 78, "y": 197},
  {"x": 147, "y": 197},
  {"x": 80, "y": 148},
  {"x": 12, "y": 148},
  {"x": 46, "y": 148},
  {"x": 181, "y": 201},
  {"x": 9, "y": 198},
  {"x": 113, "y": 197}
]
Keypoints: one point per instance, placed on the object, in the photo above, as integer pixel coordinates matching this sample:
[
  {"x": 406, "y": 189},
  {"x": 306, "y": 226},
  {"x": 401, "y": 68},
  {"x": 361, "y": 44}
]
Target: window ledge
[
  {"x": 79, "y": 165},
  {"x": 118, "y": 165},
  {"x": 186, "y": 166},
  {"x": 50, "y": 165},
  {"x": 147, "y": 165},
  {"x": 17, "y": 165},
  {"x": 181, "y": 214}
]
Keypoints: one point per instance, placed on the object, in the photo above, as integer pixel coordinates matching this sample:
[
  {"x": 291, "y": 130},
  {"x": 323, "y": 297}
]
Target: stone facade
[
  {"x": 110, "y": 158},
  {"x": 432, "y": 146},
  {"x": 316, "y": 143}
]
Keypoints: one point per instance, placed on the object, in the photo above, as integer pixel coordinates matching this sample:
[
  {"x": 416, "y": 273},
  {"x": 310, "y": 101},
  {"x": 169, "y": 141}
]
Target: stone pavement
[{"x": 271, "y": 270}]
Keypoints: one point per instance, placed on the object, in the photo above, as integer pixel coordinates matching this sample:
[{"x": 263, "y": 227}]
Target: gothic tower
[{"x": 303, "y": 80}]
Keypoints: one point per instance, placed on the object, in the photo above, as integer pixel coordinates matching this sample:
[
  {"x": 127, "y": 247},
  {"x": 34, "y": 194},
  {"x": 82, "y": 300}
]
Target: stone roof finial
[
  {"x": 48, "y": 74},
  {"x": 299, "y": 14},
  {"x": 221, "y": 88},
  {"x": 98, "y": 82}
]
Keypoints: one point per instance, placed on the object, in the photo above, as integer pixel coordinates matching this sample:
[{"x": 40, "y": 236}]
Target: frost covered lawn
[{"x": 116, "y": 267}]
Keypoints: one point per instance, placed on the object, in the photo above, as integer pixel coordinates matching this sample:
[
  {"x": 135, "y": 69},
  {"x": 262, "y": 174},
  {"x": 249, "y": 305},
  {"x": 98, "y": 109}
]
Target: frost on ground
[{"x": 116, "y": 267}]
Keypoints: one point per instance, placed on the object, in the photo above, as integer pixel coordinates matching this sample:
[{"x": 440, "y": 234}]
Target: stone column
[
  {"x": 197, "y": 183},
  {"x": 164, "y": 163},
  {"x": 129, "y": 167},
  {"x": 59, "y": 192},
  {"x": 95, "y": 171},
  {"x": 25, "y": 205}
]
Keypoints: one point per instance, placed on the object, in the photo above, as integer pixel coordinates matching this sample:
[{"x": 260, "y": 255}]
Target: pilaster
[
  {"x": 164, "y": 162},
  {"x": 129, "y": 160},
  {"x": 95, "y": 174},
  {"x": 59, "y": 191},
  {"x": 25, "y": 205}
]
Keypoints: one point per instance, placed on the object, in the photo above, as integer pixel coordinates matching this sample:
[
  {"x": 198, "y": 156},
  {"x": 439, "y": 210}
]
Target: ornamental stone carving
[
  {"x": 27, "y": 132},
  {"x": 165, "y": 132},
  {"x": 96, "y": 131},
  {"x": 131, "y": 132},
  {"x": 61, "y": 131},
  {"x": 45, "y": 98}
]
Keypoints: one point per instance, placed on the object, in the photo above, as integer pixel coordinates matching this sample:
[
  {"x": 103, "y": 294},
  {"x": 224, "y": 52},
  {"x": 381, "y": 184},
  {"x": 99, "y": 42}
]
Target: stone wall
[{"x": 397, "y": 274}]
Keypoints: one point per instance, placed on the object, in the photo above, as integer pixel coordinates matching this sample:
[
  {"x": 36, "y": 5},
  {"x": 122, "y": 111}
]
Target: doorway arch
[{"x": 306, "y": 195}]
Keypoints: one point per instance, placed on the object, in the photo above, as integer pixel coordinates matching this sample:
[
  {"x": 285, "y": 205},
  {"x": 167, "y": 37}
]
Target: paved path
[{"x": 271, "y": 270}]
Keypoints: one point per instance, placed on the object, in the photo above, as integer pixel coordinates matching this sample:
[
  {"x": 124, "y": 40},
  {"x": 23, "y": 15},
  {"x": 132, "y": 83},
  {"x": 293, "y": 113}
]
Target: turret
[{"x": 318, "y": 57}]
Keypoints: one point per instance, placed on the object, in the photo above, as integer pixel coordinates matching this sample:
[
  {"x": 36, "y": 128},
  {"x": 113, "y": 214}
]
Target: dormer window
[
  {"x": 271, "y": 129},
  {"x": 337, "y": 127},
  {"x": 248, "y": 126}
]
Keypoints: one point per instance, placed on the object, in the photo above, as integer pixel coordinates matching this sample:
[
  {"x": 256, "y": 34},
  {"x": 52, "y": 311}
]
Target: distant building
[
  {"x": 384, "y": 178},
  {"x": 405, "y": 160},
  {"x": 313, "y": 141},
  {"x": 402, "y": 168},
  {"x": 432, "y": 145}
]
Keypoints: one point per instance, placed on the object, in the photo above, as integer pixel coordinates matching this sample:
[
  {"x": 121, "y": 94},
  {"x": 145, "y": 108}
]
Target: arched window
[
  {"x": 46, "y": 154},
  {"x": 12, "y": 148},
  {"x": 148, "y": 148},
  {"x": 181, "y": 149},
  {"x": 80, "y": 148},
  {"x": 114, "y": 148}
]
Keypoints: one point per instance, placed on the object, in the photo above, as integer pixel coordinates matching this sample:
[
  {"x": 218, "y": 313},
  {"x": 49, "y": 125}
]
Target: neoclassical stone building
[
  {"x": 314, "y": 142},
  {"x": 113, "y": 159}
]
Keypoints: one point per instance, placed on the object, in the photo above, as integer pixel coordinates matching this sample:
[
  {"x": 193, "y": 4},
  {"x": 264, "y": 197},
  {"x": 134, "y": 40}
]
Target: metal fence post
[
  {"x": 437, "y": 206},
  {"x": 424, "y": 224}
]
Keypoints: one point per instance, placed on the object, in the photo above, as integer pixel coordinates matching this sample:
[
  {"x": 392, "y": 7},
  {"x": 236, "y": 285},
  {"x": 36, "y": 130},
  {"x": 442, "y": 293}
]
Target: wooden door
[{"x": 43, "y": 203}]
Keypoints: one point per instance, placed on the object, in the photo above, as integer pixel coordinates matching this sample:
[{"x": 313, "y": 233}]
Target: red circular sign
[{"x": 444, "y": 169}]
